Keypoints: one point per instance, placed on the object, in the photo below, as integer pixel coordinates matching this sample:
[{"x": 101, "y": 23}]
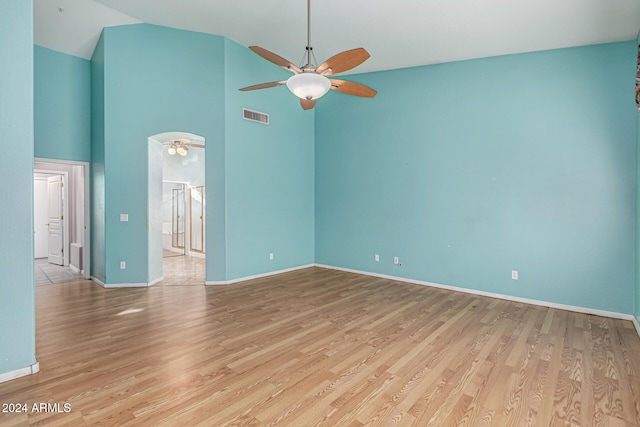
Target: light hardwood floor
[{"x": 322, "y": 347}]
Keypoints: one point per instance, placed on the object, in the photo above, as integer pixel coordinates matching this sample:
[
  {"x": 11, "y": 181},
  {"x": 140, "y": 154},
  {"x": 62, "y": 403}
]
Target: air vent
[{"x": 255, "y": 116}]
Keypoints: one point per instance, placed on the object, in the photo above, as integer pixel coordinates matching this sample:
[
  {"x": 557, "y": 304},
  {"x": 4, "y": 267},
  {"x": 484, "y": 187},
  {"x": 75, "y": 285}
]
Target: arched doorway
[{"x": 176, "y": 209}]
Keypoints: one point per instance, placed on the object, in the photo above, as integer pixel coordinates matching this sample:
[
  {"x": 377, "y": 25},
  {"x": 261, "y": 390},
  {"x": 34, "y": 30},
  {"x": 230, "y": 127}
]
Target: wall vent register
[{"x": 255, "y": 116}]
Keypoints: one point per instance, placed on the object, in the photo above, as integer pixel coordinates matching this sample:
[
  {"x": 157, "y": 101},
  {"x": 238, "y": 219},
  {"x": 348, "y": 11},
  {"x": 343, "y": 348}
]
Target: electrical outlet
[
  {"x": 376, "y": 257},
  {"x": 514, "y": 274},
  {"x": 396, "y": 260},
  {"x": 123, "y": 265},
  {"x": 271, "y": 256}
]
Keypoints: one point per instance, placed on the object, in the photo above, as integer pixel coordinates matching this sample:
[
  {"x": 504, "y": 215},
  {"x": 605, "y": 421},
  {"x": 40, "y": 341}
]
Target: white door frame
[
  {"x": 63, "y": 200},
  {"x": 40, "y": 247},
  {"x": 164, "y": 138},
  {"x": 86, "y": 244}
]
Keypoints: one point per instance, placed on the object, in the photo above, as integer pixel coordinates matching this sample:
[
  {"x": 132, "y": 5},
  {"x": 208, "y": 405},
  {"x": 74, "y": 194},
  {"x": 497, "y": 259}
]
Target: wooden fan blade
[
  {"x": 307, "y": 104},
  {"x": 276, "y": 59},
  {"x": 191, "y": 144},
  {"x": 352, "y": 88},
  {"x": 263, "y": 85},
  {"x": 343, "y": 61}
]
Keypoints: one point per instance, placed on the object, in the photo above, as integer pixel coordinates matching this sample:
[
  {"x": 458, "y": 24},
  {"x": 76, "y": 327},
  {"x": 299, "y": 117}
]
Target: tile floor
[
  {"x": 47, "y": 274},
  {"x": 178, "y": 270},
  {"x": 181, "y": 270}
]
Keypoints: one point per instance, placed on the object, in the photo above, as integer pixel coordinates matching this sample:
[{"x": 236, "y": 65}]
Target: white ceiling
[{"x": 397, "y": 34}]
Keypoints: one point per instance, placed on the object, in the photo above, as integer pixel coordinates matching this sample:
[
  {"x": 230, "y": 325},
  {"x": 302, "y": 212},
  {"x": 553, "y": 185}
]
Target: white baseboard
[
  {"x": 577, "y": 309},
  {"x": 153, "y": 282},
  {"x": 119, "y": 285},
  {"x": 172, "y": 249},
  {"x": 197, "y": 255},
  {"x": 585, "y": 310},
  {"x": 29, "y": 370},
  {"x": 636, "y": 324},
  {"x": 126, "y": 285},
  {"x": 257, "y": 276},
  {"x": 74, "y": 269},
  {"x": 98, "y": 281}
]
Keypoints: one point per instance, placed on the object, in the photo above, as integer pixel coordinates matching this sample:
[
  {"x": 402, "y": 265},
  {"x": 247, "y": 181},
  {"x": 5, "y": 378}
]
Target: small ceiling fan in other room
[
  {"x": 181, "y": 146},
  {"x": 310, "y": 82}
]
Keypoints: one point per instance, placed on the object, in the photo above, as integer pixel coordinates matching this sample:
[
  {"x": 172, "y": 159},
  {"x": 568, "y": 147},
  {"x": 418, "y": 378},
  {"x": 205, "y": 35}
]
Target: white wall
[{"x": 155, "y": 211}]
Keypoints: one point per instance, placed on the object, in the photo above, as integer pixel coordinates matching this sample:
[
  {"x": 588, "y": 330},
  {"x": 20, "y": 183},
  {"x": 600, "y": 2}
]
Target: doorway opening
[
  {"x": 177, "y": 205},
  {"x": 61, "y": 235}
]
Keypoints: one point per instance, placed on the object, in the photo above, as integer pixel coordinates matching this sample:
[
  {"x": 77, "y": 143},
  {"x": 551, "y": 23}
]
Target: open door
[{"x": 56, "y": 220}]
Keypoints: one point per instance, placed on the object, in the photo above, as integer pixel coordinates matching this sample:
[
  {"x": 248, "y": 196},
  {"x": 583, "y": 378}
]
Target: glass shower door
[
  {"x": 177, "y": 218},
  {"x": 197, "y": 219}
]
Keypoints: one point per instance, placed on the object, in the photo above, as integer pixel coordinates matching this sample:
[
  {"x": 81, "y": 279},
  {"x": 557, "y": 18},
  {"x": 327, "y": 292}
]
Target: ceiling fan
[
  {"x": 181, "y": 146},
  {"x": 310, "y": 82}
]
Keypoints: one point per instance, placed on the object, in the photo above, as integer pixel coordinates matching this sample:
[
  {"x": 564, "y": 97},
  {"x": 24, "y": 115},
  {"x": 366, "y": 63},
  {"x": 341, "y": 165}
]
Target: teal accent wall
[
  {"x": 17, "y": 305},
  {"x": 637, "y": 254},
  {"x": 469, "y": 170},
  {"x": 154, "y": 80},
  {"x": 269, "y": 171},
  {"x": 260, "y": 183},
  {"x": 62, "y": 90}
]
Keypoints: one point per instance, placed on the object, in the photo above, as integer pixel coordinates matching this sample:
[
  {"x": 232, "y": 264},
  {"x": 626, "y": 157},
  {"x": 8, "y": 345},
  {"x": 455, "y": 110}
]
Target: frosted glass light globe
[{"x": 308, "y": 85}]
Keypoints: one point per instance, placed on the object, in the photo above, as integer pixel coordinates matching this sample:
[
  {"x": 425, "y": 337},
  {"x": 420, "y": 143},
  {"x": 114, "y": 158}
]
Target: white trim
[
  {"x": 74, "y": 268},
  {"x": 153, "y": 282},
  {"x": 257, "y": 276},
  {"x": 577, "y": 309},
  {"x": 86, "y": 172},
  {"x": 119, "y": 285},
  {"x": 173, "y": 249},
  {"x": 29, "y": 370},
  {"x": 636, "y": 324},
  {"x": 98, "y": 281},
  {"x": 126, "y": 285}
]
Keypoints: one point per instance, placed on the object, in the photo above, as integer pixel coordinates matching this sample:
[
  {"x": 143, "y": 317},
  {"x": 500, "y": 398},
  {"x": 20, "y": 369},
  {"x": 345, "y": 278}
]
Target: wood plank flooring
[{"x": 318, "y": 347}]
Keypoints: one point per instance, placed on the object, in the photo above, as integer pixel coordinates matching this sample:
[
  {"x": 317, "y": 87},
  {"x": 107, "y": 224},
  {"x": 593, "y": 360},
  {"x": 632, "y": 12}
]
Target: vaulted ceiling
[{"x": 397, "y": 34}]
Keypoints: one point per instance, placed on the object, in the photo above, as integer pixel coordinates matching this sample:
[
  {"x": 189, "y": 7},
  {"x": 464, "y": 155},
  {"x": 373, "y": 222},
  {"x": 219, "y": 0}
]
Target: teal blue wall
[
  {"x": 155, "y": 80},
  {"x": 62, "y": 90},
  {"x": 637, "y": 254},
  {"x": 260, "y": 182},
  {"x": 469, "y": 170},
  {"x": 17, "y": 304},
  {"x": 98, "y": 230},
  {"x": 269, "y": 171}
]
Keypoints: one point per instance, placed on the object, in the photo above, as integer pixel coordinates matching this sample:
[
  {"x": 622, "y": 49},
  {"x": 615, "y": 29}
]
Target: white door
[{"x": 56, "y": 217}]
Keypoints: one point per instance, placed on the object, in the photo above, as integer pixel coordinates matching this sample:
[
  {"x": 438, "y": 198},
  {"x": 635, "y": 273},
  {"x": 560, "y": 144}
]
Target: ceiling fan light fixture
[
  {"x": 308, "y": 85},
  {"x": 172, "y": 150},
  {"x": 182, "y": 151}
]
